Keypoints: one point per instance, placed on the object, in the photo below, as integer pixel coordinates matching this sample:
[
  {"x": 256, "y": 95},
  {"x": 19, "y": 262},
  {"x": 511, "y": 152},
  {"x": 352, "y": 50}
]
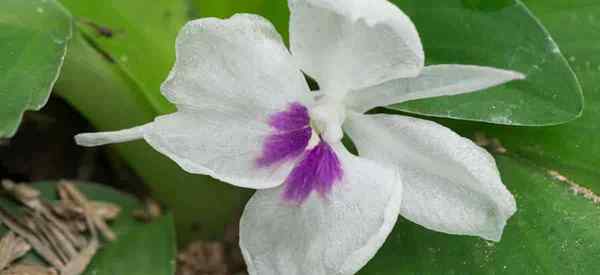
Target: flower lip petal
[
  {"x": 318, "y": 171},
  {"x": 338, "y": 235}
]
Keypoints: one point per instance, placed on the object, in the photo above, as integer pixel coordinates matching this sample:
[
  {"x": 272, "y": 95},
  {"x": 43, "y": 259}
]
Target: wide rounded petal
[
  {"x": 237, "y": 62},
  {"x": 223, "y": 144},
  {"x": 450, "y": 184},
  {"x": 322, "y": 236},
  {"x": 352, "y": 44},
  {"x": 434, "y": 81}
]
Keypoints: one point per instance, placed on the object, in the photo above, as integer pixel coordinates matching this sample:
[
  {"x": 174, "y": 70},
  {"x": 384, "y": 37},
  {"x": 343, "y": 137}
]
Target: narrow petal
[
  {"x": 104, "y": 138},
  {"x": 238, "y": 62},
  {"x": 450, "y": 184},
  {"x": 434, "y": 81},
  {"x": 351, "y": 44},
  {"x": 337, "y": 235}
]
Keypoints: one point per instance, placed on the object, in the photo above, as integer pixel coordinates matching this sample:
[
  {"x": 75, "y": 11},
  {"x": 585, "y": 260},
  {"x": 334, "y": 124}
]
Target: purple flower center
[
  {"x": 291, "y": 135},
  {"x": 318, "y": 170}
]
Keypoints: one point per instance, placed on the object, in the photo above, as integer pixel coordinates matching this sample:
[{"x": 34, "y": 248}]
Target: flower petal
[
  {"x": 336, "y": 235},
  {"x": 223, "y": 144},
  {"x": 238, "y": 62},
  {"x": 450, "y": 184},
  {"x": 231, "y": 82},
  {"x": 353, "y": 43},
  {"x": 436, "y": 80}
]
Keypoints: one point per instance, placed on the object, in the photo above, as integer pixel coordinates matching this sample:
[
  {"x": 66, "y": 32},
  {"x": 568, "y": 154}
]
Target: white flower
[{"x": 246, "y": 116}]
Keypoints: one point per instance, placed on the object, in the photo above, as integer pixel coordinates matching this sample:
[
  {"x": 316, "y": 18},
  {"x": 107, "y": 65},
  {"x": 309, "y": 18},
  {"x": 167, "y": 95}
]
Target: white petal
[
  {"x": 229, "y": 77},
  {"x": 450, "y": 184},
  {"x": 104, "y": 138},
  {"x": 323, "y": 237},
  {"x": 222, "y": 144},
  {"x": 237, "y": 62},
  {"x": 353, "y": 43},
  {"x": 434, "y": 81}
]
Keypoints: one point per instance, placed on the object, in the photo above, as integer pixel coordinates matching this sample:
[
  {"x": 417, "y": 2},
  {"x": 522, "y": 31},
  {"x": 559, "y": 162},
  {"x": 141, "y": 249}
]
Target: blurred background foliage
[{"x": 119, "y": 51}]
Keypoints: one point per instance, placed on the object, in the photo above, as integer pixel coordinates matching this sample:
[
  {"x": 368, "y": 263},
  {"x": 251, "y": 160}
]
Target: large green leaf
[
  {"x": 34, "y": 36},
  {"x": 554, "y": 232},
  {"x": 573, "y": 148},
  {"x": 141, "y": 37},
  {"x": 555, "y": 228},
  {"x": 503, "y": 34},
  {"x": 141, "y": 249},
  {"x": 110, "y": 100}
]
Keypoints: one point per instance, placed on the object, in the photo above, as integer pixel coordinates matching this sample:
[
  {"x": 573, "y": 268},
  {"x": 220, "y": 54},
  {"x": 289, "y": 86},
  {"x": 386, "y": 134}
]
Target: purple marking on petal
[
  {"x": 294, "y": 118},
  {"x": 278, "y": 147},
  {"x": 291, "y": 135},
  {"x": 319, "y": 170}
]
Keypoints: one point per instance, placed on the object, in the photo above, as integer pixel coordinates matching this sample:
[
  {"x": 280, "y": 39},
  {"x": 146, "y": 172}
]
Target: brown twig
[
  {"x": 12, "y": 247},
  {"x": 13, "y": 224},
  {"x": 80, "y": 199}
]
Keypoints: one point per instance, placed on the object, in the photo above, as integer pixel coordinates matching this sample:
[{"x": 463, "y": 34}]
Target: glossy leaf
[
  {"x": 502, "y": 34},
  {"x": 546, "y": 168},
  {"x": 110, "y": 100},
  {"x": 34, "y": 36},
  {"x": 553, "y": 232},
  {"x": 137, "y": 35},
  {"x": 141, "y": 249},
  {"x": 573, "y": 148}
]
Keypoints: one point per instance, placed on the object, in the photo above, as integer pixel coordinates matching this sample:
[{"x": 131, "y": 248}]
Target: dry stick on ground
[
  {"x": 29, "y": 236},
  {"x": 80, "y": 199},
  {"x": 55, "y": 239},
  {"x": 12, "y": 247},
  {"x": 79, "y": 263},
  {"x": 29, "y": 269},
  {"x": 30, "y": 197}
]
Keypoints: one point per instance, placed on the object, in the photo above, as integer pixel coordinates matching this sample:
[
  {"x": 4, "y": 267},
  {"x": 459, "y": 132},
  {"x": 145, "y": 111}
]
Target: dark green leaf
[
  {"x": 136, "y": 34},
  {"x": 573, "y": 148},
  {"x": 502, "y": 34},
  {"x": 141, "y": 249},
  {"x": 34, "y": 36},
  {"x": 553, "y": 232}
]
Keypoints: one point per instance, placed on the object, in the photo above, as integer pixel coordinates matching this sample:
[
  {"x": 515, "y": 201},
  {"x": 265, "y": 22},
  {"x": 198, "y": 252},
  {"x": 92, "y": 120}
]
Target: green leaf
[
  {"x": 142, "y": 37},
  {"x": 110, "y": 100},
  {"x": 34, "y": 37},
  {"x": 502, "y": 34},
  {"x": 141, "y": 249},
  {"x": 573, "y": 148},
  {"x": 553, "y": 232},
  {"x": 547, "y": 168}
]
